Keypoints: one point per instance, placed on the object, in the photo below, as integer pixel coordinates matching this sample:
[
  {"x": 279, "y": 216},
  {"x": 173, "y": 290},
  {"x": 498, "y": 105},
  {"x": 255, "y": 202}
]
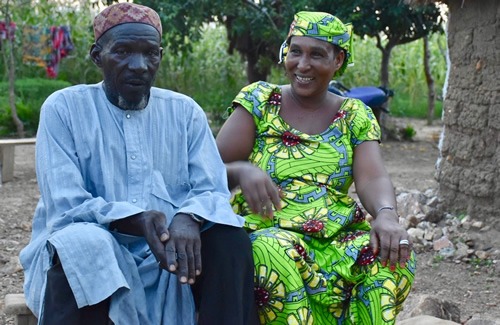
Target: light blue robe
[{"x": 97, "y": 163}]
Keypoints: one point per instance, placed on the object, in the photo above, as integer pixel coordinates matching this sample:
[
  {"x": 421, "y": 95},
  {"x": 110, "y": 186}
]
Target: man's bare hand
[
  {"x": 183, "y": 249},
  {"x": 152, "y": 225}
]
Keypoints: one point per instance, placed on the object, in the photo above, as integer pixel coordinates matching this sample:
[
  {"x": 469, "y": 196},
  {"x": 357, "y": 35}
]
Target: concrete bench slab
[
  {"x": 15, "y": 305},
  {"x": 7, "y": 155}
]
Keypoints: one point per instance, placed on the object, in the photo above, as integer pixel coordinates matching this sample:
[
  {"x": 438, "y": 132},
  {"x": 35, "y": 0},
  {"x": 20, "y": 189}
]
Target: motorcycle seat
[{"x": 371, "y": 96}]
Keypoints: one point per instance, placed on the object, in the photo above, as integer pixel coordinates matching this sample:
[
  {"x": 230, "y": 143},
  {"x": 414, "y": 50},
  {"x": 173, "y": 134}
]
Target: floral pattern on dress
[{"x": 313, "y": 260}]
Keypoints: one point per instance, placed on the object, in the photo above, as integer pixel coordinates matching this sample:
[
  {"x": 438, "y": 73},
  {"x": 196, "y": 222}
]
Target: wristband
[
  {"x": 196, "y": 218},
  {"x": 387, "y": 207}
]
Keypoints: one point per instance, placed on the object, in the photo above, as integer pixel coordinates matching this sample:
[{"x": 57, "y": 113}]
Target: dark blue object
[
  {"x": 375, "y": 97},
  {"x": 371, "y": 96}
]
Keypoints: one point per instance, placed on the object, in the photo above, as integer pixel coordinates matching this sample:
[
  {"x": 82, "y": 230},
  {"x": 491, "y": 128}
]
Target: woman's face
[{"x": 310, "y": 65}]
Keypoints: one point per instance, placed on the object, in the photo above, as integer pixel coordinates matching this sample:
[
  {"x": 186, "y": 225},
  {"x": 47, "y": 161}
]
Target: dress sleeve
[
  {"x": 256, "y": 99},
  {"x": 362, "y": 123}
]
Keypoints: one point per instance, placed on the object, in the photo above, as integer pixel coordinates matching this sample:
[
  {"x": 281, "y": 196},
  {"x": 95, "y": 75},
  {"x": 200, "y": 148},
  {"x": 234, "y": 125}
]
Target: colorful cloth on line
[
  {"x": 313, "y": 262},
  {"x": 7, "y": 30},
  {"x": 46, "y": 47}
]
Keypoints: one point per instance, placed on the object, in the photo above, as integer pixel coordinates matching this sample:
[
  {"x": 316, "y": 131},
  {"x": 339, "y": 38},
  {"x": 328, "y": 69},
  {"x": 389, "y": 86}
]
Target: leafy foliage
[
  {"x": 201, "y": 65},
  {"x": 207, "y": 73},
  {"x": 397, "y": 22},
  {"x": 30, "y": 94},
  {"x": 257, "y": 28}
]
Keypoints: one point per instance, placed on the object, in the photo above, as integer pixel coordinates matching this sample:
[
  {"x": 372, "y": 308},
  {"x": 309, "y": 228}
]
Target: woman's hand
[
  {"x": 389, "y": 240},
  {"x": 259, "y": 190}
]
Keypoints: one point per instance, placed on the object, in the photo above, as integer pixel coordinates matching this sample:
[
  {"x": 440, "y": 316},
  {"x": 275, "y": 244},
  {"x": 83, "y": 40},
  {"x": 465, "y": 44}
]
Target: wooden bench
[
  {"x": 15, "y": 305},
  {"x": 7, "y": 154}
]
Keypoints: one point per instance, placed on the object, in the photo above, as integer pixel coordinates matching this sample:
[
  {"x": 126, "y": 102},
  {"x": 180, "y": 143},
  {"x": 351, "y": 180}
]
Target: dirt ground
[{"x": 472, "y": 287}]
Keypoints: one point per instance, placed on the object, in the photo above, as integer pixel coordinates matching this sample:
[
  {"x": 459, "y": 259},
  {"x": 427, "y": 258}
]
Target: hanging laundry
[
  {"x": 7, "y": 31},
  {"x": 61, "y": 47},
  {"x": 45, "y": 47},
  {"x": 37, "y": 45}
]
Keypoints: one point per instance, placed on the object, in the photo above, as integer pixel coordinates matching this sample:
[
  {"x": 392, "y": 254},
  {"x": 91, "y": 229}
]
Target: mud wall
[{"x": 468, "y": 170}]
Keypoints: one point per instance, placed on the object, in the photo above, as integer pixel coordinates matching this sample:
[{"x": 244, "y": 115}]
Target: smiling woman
[{"x": 291, "y": 153}]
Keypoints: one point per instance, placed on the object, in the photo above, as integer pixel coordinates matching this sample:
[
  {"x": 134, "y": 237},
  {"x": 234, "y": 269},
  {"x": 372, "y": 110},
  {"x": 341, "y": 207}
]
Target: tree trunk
[
  {"x": 10, "y": 66},
  {"x": 12, "y": 93},
  {"x": 384, "y": 68},
  {"x": 384, "y": 82},
  {"x": 254, "y": 71},
  {"x": 431, "y": 94}
]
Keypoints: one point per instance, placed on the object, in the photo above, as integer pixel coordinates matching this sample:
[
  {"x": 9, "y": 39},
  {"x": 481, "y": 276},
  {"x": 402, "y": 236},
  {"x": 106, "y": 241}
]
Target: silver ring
[
  {"x": 159, "y": 262},
  {"x": 404, "y": 242}
]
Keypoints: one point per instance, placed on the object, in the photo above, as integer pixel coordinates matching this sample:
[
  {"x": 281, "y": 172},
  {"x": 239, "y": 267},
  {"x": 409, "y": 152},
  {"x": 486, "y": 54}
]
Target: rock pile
[
  {"x": 458, "y": 238},
  {"x": 455, "y": 238}
]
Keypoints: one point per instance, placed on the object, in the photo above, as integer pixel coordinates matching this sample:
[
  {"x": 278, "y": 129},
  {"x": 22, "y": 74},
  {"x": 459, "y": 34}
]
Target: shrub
[
  {"x": 408, "y": 132},
  {"x": 30, "y": 95},
  {"x": 208, "y": 74}
]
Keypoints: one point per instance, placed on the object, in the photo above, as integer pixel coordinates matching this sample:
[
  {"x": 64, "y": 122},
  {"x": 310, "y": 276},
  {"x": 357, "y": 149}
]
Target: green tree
[
  {"x": 254, "y": 29},
  {"x": 7, "y": 48},
  {"x": 391, "y": 23},
  {"x": 257, "y": 28}
]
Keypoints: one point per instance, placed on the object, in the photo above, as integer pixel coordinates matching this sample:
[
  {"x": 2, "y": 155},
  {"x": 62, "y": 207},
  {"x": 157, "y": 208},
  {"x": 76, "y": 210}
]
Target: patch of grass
[
  {"x": 403, "y": 106},
  {"x": 408, "y": 132},
  {"x": 477, "y": 262},
  {"x": 436, "y": 259}
]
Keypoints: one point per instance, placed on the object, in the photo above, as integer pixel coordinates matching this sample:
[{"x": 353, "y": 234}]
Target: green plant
[
  {"x": 408, "y": 132},
  {"x": 477, "y": 262},
  {"x": 213, "y": 76},
  {"x": 208, "y": 74},
  {"x": 30, "y": 95},
  {"x": 436, "y": 259}
]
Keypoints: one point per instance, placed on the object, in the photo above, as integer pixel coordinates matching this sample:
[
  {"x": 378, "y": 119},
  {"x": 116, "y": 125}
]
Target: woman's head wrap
[
  {"x": 122, "y": 13},
  {"x": 322, "y": 26}
]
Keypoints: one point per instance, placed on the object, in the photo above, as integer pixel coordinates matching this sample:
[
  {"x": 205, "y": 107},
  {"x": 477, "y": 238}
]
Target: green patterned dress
[{"x": 313, "y": 262}]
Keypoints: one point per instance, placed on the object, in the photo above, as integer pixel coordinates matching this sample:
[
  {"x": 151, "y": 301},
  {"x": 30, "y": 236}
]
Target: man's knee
[
  {"x": 88, "y": 237},
  {"x": 222, "y": 242},
  {"x": 226, "y": 237}
]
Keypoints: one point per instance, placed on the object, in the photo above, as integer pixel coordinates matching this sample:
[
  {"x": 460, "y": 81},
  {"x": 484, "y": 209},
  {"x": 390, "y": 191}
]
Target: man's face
[{"x": 129, "y": 56}]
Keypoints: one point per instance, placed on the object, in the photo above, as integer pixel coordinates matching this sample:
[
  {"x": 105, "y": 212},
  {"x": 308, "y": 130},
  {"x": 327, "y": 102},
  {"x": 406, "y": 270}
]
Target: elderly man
[{"x": 134, "y": 224}]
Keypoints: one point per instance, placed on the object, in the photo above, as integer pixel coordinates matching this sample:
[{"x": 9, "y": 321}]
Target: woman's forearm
[
  {"x": 376, "y": 195},
  {"x": 234, "y": 170}
]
